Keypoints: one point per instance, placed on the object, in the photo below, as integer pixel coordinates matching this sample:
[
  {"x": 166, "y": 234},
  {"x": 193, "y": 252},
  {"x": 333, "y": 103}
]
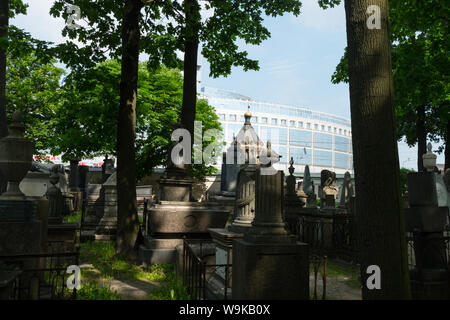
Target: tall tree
[
  {"x": 191, "y": 41},
  {"x": 167, "y": 26},
  {"x": 128, "y": 222},
  {"x": 381, "y": 227},
  {"x": 419, "y": 38},
  {"x": 380, "y": 219},
  {"x": 4, "y": 21}
]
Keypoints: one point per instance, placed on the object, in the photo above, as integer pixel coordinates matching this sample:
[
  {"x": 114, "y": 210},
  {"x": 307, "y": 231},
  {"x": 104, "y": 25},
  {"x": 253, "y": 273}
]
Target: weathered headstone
[
  {"x": 268, "y": 263},
  {"x": 107, "y": 227},
  {"x": 347, "y": 190},
  {"x": 427, "y": 220},
  {"x": 20, "y": 229},
  {"x": 328, "y": 190},
  {"x": 56, "y": 201}
]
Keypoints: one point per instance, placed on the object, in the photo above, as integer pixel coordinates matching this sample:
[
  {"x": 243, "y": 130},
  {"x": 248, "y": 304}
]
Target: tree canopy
[
  {"x": 85, "y": 123},
  {"x": 421, "y": 67}
]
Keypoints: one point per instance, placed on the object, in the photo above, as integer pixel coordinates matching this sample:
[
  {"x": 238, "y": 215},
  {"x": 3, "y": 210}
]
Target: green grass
[
  {"x": 92, "y": 291},
  {"x": 171, "y": 289},
  {"x": 350, "y": 273},
  {"x": 102, "y": 256},
  {"x": 73, "y": 217}
]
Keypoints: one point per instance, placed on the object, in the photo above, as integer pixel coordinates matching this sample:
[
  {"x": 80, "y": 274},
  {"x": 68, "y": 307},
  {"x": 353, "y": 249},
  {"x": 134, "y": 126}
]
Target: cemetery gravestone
[{"x": 268, "y": 263}]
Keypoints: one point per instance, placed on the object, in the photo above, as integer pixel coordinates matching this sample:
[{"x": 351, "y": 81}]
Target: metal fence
[
  {"x": 334, "y": 236},
  {"x": 40, "y": 276},
  {"x": 197, "y": 269}
]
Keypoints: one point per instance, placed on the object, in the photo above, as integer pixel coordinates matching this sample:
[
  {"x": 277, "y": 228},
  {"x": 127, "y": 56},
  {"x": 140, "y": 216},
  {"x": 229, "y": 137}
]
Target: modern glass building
[{"x": 317, "y": 139}]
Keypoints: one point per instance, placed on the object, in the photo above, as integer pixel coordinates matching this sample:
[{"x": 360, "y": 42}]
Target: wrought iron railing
[
  {"x": 197, "y": 270},
  {"x": 332, "y": 236},
  {"x": 42, "y": 276}
]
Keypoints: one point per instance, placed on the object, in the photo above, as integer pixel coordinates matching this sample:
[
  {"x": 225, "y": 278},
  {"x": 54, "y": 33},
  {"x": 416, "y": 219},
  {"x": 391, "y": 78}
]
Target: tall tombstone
[
  {"x": 107, "y": 227},
  {"x": 269, "y": 263},
  {"x": 347, "y": 191},
  {"x": 230, "y": 170},
  {"x": 83, "y": 172},
  {"x": 55, "y": 200},
  {"x": 328, "y": 190},
  {"x": 107, "y": 168},
  {"x": 308, "y": 188},
  {"x": 74, "y": 175},
  {"x": 427, "y": 218},
  {"x": 20, "y": 228}
]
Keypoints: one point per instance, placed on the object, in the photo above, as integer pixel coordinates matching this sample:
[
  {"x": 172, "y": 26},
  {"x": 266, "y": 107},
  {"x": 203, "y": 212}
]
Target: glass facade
[{"x": 310, "y": 137}]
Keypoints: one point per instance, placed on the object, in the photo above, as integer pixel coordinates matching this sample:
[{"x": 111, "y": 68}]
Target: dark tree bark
[
  {"x": 128, "y": 223},
  {"x": 188, "y": 109},
  {"x": 421, "y": 137},
  {"x": 4, "y": 21},
  {"x": 447, "y": 146},
  {"x": 379, "y": 212}
]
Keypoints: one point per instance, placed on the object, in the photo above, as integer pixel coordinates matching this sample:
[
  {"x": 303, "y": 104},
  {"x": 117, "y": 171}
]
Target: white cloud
[{"x": 331, "y": 20}]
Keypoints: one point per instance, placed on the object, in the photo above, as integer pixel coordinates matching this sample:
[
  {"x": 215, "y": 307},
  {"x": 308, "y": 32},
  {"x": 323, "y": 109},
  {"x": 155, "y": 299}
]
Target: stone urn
[
  {"x": 16, "y": 153},
  {"x": 429, "y": 159}
]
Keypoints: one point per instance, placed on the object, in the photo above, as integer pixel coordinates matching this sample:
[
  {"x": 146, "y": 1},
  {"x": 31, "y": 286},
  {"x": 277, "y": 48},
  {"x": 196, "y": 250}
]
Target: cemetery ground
[{"x": 105, "y": 276}]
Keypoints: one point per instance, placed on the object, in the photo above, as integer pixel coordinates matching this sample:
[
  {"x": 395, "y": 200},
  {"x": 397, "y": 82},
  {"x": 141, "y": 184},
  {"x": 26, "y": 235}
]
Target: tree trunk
[
  {"x": 380, "y": 222},
  {"x": 447, "y": 146},
  {"x": 4, "y": 21},
  {"x": 128, "y": 223},
  {"x": 188, "y": 109},
  {"x": 421, "y": 137}
]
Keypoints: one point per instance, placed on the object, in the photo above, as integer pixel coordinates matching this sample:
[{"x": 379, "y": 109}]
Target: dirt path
[
  {"x": 339, "y": 288},
  {"x": 126, "y": 289}
]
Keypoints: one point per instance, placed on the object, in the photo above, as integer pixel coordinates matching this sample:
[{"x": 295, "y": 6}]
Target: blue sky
[{"x": 296, "y": 63}]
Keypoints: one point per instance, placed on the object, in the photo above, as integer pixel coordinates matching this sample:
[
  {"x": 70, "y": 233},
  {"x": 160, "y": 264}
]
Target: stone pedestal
[
  {"x": 244, "y": 211},
  {"x": 268, "y": 263},
  {"x": 172, "y": 189},
  {"x": 270, "y": 271},
  {"x": 171, "y": 221},
  {"x": 427, "y": 221},
  {"x": 107, "y": 227}
]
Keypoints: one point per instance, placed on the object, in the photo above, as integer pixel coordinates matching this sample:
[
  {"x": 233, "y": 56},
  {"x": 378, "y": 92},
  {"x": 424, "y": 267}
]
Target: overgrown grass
[
  {"x": 102, "y": 256},
  {"x": 73, "y": 217},
  {"x": 348, "y": 272},
  {"x": 172, "y": 289},
  {"x": 92, "y": 291}
]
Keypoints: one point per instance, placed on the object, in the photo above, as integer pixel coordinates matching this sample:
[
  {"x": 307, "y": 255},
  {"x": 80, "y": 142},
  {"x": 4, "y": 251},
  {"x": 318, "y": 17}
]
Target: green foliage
[
  {"x": 420, "y": 46},
  {"x": 344, "y": 271},
  {"x": 74, "y": 217},
  {"x": 111, "y": 266},
  {"x": 164, "y": 30},
  {"x": 403, "y": 179},
  {"x": 33, "y": 88},
  {"x": 172, "y": 289},
  {"x": 92, "y": 291},
  {"x": 85, "y": 123}
]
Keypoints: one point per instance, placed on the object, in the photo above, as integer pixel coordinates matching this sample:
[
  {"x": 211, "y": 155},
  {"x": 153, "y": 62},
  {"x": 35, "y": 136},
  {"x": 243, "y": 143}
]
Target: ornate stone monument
[
  {"x": 20, "y": 229},
  {"x": 308, "y": 189},
  {"x": 175, "y": 215},
  {"x": 347, "y": 191},
  {"x": 268, "y": 263},
  {"x": 327, "y": 190},
  {"x": 107, "y": 227},
  {"x": 427, "y": 220},
  {"x": 55, "y": 200},
  {"x": 293, "y": 202}
]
